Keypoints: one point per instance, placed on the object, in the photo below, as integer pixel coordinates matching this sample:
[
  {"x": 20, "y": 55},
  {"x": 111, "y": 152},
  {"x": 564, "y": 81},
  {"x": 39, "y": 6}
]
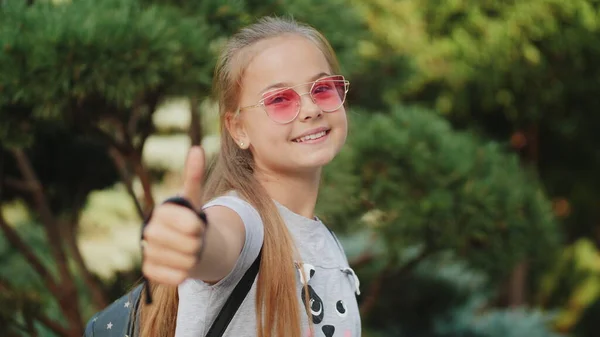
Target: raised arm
[{"x": 177, "y": 243}]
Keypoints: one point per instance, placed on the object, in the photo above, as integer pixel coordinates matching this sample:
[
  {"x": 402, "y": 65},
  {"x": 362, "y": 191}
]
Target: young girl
[{"x": 281, "y": 101}]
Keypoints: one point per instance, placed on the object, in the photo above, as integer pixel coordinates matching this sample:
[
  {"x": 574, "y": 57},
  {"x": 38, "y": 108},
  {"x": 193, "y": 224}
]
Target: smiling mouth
[{"x": 313, "y": 136}]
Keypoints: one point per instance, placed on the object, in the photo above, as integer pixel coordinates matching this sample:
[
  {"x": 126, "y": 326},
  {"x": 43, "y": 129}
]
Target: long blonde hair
[{"x": 277, "y": 307}]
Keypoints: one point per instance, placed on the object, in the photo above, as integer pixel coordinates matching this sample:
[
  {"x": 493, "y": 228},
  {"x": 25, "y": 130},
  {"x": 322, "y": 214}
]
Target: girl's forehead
[{"x": 285, "y": 60}]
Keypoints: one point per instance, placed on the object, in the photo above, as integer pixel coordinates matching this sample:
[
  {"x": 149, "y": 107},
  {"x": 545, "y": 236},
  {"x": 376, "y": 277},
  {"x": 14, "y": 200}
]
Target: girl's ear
[{"x": 236, "y": 129}]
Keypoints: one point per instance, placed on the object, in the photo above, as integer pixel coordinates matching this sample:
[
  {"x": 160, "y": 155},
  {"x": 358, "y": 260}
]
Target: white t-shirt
[{"x": 333, "y": 286}]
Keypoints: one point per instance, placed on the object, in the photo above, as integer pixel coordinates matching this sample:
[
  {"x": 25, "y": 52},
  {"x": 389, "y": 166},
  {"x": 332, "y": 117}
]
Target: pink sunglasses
[{"x": 282, "y": 105}]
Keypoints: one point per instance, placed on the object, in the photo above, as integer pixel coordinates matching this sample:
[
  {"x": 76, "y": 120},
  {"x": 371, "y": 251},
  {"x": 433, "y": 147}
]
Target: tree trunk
[
  {"x": 373, "y": 293},
  {"x": 195, "y": 130},
  {"x": 66, "y": 295},
  {"x": 517, "y": 285},
  {"x": 375, "y": 288},
  {"x": 126, "y": 178},
  {"x": 518, "y": 280},
  {"x": 145, "y": 180},
  {"x": 15, "y": 240},
  {"x": 70, "y": 235},
  {"x": 57, "y": 328},
  {"x": 29, "y": 318}
]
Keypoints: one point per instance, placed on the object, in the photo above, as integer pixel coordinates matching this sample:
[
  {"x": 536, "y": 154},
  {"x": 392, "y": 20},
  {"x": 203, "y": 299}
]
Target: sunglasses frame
[{"x": 269, "y": 94}]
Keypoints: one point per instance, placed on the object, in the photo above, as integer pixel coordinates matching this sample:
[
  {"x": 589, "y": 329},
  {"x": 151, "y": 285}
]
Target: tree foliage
[
  {"x": 89, "y": 62},
  {"x": 523, "y": 71},
  {"x": 442, "y": 298},
  {"x": 428, "y": 185},
  {"x": 80, "y": 81}
]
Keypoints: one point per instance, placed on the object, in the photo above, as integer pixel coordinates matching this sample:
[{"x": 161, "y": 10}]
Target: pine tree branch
[
  {"x": 18, "y": 184},
  {"x": 107, "y": 139},
  {"x": 15, "y": 240},
  {"x": 367, "y": 255},
  {"x": 373, "y": 293},
  {"x": 58, "y": 329},
  {"x": 16, "y": 324},
  {"x": 375, "y": 287},
  {"x": 130, "y": 126},
  {"x": 128, "y": 131},
  {"x": 69, "y": 233},
  {"x": 43, "y": 209},
  {"x": 126, "y": 178},
  {"x": 147, "y": 127},
  {"x": 30, "y": 324},
  {"x": 67, "y": 292},
  {"x": 145, "y": 180},
  {"x": 29, "y": 327},
  {"x": 364, "y": 258},
  {"x": 195, "y": 128}
]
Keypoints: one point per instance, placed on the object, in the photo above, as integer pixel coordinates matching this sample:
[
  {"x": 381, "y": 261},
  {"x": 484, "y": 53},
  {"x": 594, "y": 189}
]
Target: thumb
[{"x": 193, "y": 176}]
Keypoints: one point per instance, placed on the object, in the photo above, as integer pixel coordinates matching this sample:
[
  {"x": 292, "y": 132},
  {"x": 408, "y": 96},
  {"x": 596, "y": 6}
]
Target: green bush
[
  {"x": 429, "y": 186},
  {"x": 24, "y": 296},
  {"x": 82, "y": 61},
  {"x": 522, "y": 68},
  {"x": 442, "y": 298},
  {"x": 588, "y": 324}
]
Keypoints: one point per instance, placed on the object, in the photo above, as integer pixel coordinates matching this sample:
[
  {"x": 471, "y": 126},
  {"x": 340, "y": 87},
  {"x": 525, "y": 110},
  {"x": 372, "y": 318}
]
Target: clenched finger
[
  {"x": 162, "y": 274},
  {"x": 156, "y": 254},
  {"x": 179, "y": 219},
  {"x": 172, "y": 240}
]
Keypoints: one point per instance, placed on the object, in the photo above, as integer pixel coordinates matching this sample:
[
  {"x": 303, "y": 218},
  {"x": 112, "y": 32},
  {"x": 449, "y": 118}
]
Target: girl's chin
[{"x": 315, "y": 160}]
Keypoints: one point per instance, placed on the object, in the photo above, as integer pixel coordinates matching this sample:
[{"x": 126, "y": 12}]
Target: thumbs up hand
[{"x": 173, "y": 238}]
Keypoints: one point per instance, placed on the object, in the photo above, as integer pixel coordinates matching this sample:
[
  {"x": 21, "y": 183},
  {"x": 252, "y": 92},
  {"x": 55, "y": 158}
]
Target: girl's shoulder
[
  {"x": 230, "y": 198},
  {"x": 233, "y": 200}
]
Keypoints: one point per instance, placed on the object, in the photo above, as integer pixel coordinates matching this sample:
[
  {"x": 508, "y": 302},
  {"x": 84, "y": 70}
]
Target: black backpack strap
[
  {"x": 234, "y": 301},
  {"x": 224, "y": 317}
]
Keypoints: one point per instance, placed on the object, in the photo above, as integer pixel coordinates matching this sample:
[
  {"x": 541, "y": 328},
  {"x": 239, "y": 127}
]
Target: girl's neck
[{"x": 297, "y": 193}]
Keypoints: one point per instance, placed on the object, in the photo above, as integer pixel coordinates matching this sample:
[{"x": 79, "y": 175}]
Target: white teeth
[{"x": 310, "y": 137}]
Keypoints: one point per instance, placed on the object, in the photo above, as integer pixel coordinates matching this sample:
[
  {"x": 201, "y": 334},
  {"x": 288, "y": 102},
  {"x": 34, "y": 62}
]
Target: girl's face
[{"x": 317, "y": 133}]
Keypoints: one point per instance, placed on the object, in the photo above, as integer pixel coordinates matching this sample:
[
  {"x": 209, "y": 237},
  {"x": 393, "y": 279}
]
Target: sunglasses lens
[
  {"x": 282, "y": 106},
  {"x": 329, "y": 93}
]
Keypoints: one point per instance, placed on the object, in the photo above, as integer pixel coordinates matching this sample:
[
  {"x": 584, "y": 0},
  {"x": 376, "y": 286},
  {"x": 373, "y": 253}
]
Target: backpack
[{"x": 121, "y": 318}]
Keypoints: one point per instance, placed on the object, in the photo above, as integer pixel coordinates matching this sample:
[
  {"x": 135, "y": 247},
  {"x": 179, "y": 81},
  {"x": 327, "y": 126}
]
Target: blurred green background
[{"x": 467, "y": 197}]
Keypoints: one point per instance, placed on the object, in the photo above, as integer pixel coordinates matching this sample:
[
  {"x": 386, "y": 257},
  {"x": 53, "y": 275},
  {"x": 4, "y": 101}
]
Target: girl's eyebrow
[{"x": 285, "y": 85}]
